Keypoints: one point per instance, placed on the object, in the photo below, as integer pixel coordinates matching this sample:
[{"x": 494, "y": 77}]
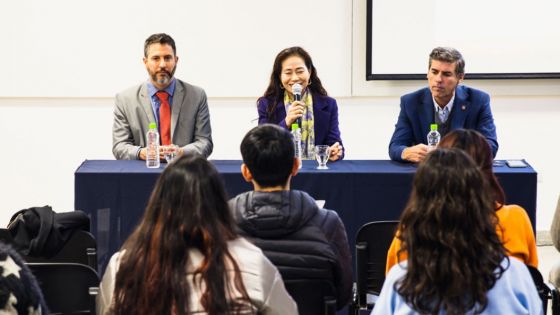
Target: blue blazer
[
  {"x": 325, "y": 118},
  {"x": 471, "y": 110}
]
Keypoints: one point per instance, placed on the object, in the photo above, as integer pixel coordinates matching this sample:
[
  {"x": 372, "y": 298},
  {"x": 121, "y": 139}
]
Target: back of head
[
  {"x": 476, "y": 146},
  {"x": 449, "y": 231},
  {"x": 268, "y": 152},
  {"x": 19, "y": 292},
  {"x": 449, "y": 55},
  {"x": 187, "y": 211}
]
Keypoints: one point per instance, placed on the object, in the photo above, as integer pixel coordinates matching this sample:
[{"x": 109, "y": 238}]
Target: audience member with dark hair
[
  {"x": 317, "y": 112},
  {"x": 19, "y": 292},
  {"x": 456, "y": 261},
  {"x": 303, "y": 240},
  {"x": 514, "y": 227},
  {"x": 185, "y": 256}
]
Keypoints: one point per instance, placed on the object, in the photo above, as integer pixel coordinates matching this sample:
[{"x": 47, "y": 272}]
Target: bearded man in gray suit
[{"x": 137, "y": 107}]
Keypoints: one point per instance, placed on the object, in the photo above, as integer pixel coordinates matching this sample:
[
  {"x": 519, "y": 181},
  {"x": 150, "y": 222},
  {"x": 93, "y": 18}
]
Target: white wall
[
  {"x": 67, "y": 48},
  {"x": 39, "y": 166}
]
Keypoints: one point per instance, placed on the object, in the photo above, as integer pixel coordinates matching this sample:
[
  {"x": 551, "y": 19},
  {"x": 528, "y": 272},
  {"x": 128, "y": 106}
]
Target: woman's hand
[
  {"x": 336, "y": 152},
  {"x": 295, "y": 111}
]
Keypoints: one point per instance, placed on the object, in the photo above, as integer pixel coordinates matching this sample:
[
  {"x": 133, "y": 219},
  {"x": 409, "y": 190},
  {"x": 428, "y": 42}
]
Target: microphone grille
[{"x": 296, "y": 88}]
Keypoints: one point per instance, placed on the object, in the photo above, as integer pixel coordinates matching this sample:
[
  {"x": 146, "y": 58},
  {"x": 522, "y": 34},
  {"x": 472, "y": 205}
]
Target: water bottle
[
  {"x": 152, "y": 147},
  {"x": 296, "y": 133},
  {"x": 433, "y": 137}
]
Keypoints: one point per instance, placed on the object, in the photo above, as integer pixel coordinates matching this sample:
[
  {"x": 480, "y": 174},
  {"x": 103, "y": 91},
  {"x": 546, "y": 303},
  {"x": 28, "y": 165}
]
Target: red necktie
[{"x": 164, "y": 118}]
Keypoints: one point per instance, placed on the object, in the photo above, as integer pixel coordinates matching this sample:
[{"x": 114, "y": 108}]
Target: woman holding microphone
[{"x": 295, "y": 95}]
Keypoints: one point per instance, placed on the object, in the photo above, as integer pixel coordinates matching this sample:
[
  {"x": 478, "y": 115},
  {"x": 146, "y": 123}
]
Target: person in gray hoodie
[{"x": 301, "y": 239}]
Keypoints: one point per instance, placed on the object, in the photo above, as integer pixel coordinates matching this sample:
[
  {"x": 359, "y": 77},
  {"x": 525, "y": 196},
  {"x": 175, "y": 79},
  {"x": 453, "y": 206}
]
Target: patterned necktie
[
  {"x": 443, "y": 114},
  {"x": 164, "y": 118}
]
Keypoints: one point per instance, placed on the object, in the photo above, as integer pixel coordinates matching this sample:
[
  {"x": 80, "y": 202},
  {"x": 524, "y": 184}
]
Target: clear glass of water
[
  {"x": 322, "y": 153},
  {"x": 170, "y": 152}
]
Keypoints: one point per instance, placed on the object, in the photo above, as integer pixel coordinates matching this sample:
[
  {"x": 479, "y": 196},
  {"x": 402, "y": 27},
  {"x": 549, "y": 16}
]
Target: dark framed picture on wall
[{"x": 500, "y": 39}]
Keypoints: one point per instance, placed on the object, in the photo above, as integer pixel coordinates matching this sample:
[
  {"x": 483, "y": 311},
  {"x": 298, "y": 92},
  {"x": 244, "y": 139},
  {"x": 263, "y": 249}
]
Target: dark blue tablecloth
[{"x": 115, "y": 193}]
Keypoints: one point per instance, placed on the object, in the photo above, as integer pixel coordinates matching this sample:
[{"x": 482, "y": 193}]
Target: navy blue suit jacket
[
  {"x": 471, "y": 110},
  {"x": 325, "y": 118}
]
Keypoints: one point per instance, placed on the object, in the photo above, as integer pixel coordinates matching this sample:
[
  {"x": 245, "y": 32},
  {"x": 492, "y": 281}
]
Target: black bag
[{"x": 40, "y": 232}]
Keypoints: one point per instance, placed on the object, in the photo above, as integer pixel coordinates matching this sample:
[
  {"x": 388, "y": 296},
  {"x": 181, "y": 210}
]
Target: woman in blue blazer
[{"x": 316, "y": 112}]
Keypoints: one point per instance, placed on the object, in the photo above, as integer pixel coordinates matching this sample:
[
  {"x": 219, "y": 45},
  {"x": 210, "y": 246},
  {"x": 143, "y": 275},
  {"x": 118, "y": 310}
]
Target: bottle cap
[
  {"x": 153, "y": 125},
  {"x": 433, "y": 127},
  {"x": 295, "y": 126}
]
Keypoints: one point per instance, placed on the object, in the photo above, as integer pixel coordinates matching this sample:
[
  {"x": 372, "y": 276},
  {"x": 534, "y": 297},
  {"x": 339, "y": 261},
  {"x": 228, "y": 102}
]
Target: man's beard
[{"x": 163, "y": 80}]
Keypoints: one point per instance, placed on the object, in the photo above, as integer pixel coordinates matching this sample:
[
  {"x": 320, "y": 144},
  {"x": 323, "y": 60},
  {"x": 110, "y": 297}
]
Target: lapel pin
[{"x": 463, "y": 107}]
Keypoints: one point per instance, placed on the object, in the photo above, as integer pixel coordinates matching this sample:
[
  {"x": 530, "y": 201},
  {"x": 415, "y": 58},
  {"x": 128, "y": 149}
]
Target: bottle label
[{"x": 152, "y": 149}]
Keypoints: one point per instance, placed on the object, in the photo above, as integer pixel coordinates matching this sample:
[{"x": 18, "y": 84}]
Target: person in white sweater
[{"x": 186, "y": 258}]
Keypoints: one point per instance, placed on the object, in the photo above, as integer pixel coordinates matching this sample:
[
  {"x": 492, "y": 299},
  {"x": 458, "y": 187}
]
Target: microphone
[{"x": 296, "y": 89}]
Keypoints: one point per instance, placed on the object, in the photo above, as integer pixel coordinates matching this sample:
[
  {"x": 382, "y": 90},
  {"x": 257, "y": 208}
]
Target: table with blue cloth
[{"x": 115, "y": 193}]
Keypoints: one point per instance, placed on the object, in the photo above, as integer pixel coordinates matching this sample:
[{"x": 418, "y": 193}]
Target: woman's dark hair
[
  {"x": 448, "y": 229},
  {"x": 476, "y": 146},
  {"x": 187, "y": 211},
  {"x": 275, "y": 92}
]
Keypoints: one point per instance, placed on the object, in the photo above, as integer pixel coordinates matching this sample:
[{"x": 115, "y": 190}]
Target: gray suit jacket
[{"x": 190, "y": 120}]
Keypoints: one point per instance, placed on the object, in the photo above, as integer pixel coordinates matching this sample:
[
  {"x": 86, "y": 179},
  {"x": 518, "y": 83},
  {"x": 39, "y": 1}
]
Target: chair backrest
[
  {"x": 81, "y": 248},
  {"x": 372, "y": 243},
  {"x": 542, "y": 288},
  {"x": 68, "y": 288},
  {"x": 313, "y": 296}
]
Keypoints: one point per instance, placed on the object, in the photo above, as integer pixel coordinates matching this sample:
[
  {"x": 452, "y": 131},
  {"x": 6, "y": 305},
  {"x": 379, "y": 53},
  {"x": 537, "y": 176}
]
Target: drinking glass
[
  {"x": 170, "y": 152},
  {"x": 322, "y": 153}
]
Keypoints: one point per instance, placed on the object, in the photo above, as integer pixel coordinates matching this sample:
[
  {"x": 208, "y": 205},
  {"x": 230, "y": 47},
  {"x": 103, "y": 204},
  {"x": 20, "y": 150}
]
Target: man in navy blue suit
[{"x": 444, "y": 103}]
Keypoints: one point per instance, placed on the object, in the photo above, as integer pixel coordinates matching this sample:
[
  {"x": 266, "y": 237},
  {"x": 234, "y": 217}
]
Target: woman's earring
[{"x": 309, "y": 82}]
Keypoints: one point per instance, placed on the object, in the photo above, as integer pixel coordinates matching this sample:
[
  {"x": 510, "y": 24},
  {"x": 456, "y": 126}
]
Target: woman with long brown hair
[
  {"x": 514, "y": 227},
  {"x": 185, "y": 256},
  {"x": 456, "y": 262}
]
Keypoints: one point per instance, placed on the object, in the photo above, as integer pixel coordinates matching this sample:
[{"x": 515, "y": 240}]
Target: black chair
[
  {"x": 313, "y": 296},
  {"x": 81, "y": 248},
  {"x": 546, "y": 291},
  {"x": 79, "y": 256},
  {"x": 68, "y": 288},
  {"x": 372, "y": 243}
]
